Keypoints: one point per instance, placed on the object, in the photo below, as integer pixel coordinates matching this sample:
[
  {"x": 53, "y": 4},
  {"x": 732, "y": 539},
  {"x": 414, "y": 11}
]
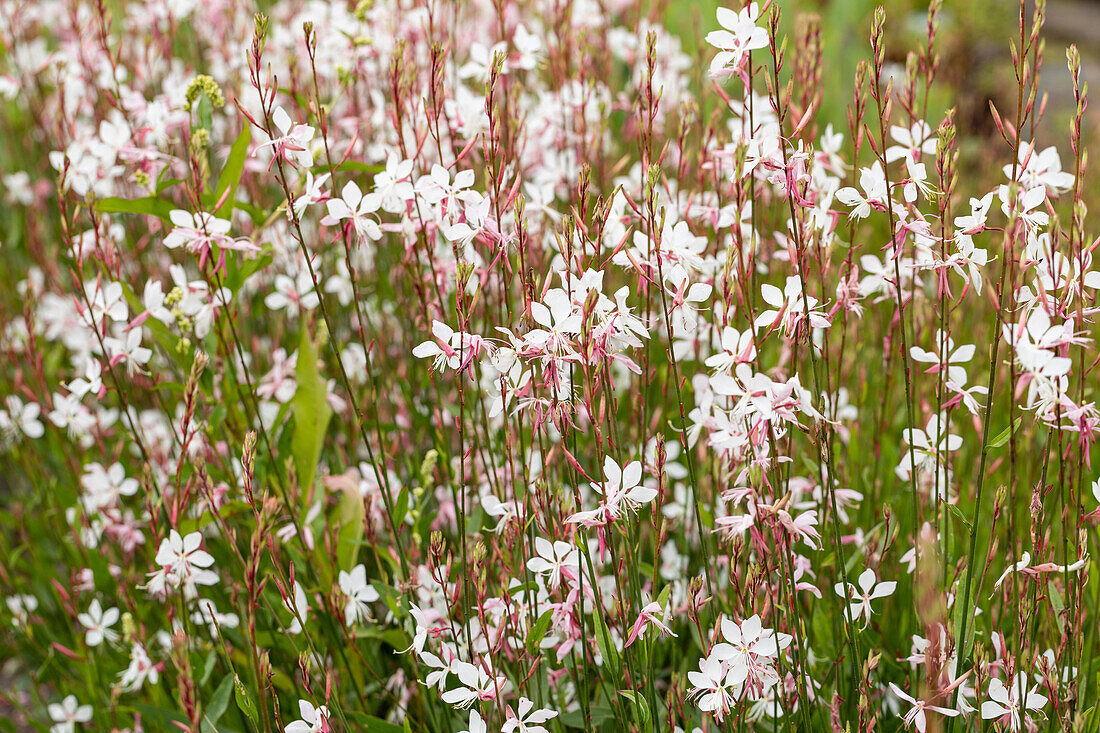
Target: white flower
[
  {"x": 141, "y": 669},
  {"x": 293, "y": 145},
  {"x": 98, "y": 624},
  {"x": 392, "y": 185},
  {"x": 477, "y": 684},
  {"x": 622, "y": 490},
  {"x": 359, "y": 593},
  {"x": 198, "y": 231},
  {"x": 873, "y": 182},
  {"x": 312, "y": 192},
  {"x": 183, "y": 565},
  {"x": 916, "y": 715},
  {"x": 67, "y": 714},
  {"x": 477, "y": 724},
  {"x": 1004, "y": 703},
  {"x": 861, "y": 597},
  {"x": 314, "y": 719},
  {"x": 298, "y": 607},
  {"x": 790, "y": 307},
  {"x": 752, "y": 649},
  {"x": 739, "y": 36},
  {"x": 357, "y": 208},
  {"x": 25, "y": 416},
  {"x": 103, "y": 486},
  {"x": 716, "y": 687},
  {"x": 527, "y": 719},
  {"x": 558, "y": 559}
]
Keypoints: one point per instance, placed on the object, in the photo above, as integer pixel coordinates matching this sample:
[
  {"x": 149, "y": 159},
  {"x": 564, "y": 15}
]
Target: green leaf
[
  {"x": 245, "y": 701},
  {"x": 311, "y": 413},
  {"x": 604, "y": 641},
  {"x": 958, "y": 514},
  {"x": 351, "y": 522},
  {"x": 217, "y": 705},
  {"x": 231, "y": 174},
  {"x": 538, "y": 631},
  {"x": 238, "y": 270},
  {"x": 1004, "y": 435},
  {"x": 641, "y": 707},
  {"x": 149, "y": 205},
  {"x": 401, "y": 508}
]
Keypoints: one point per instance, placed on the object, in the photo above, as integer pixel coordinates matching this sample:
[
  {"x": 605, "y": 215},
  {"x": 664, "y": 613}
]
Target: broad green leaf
[
  {"x": 311, "y": 413},
  {"x": 245, "y": 701},
  {"x": 641, "y": 707},
  {"x": 230, "y": 176},
  {"x": 1004, "y": 435},
  {"x": 538, "y": 631},
  {"x": 149, "y": 205},
  {"x": 351, "y": 521},
  {"x": 238, "y": 271},
  {"x": 217, "y": 705}
]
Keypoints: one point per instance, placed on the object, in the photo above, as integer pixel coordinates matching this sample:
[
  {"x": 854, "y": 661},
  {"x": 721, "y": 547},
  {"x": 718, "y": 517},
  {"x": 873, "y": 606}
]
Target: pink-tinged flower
[
  {"x": 1024, "y": 567},
  {"x": 560, "y": 321},
  {"x": 67, "y": 714},
  {"x": 475, "y": 684},
  {"x": 452, "y": 349},
  {"x": 356, "y": 207},
  {"x": 873, "y": 182},
  {"x": 739, "y": 36},
  {"x": 737, "y": 348},
  {"x": 140, "y": 670},
  {"x": 314, "y": 719},
  {"x": 622, "y": 491},
  {"x": 789, "y": 308},
  {"x": 653, "y": 614},
  {"x": 527, "y": 719},
  {"x": 716, "y": 686},
  {"x": 312, "y": 193},
  {"x": 183, "y": 565},
  {"x": 199, "y": 232},
  {"x": 293, "y": 144},
  {"x": 861, "y": 597},
  {"x": 916, "y": 715},
  {"x": 1007, "y": 704},
  {"x": 751, "y": 649},
  {"x": 557, "y": 560}
]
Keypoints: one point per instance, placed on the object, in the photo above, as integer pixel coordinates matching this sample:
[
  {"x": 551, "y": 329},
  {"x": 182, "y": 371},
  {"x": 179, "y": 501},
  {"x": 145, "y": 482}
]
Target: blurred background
[{"x": 975, "y": 60}]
